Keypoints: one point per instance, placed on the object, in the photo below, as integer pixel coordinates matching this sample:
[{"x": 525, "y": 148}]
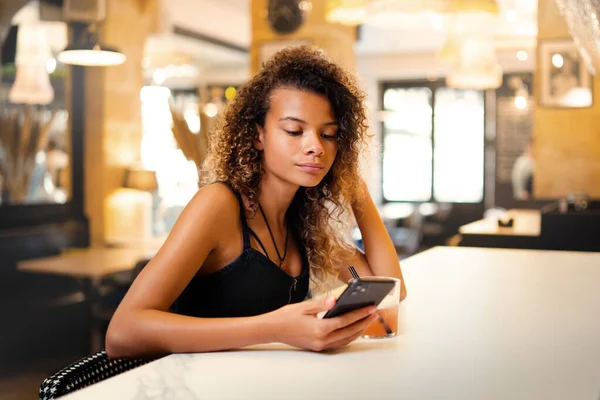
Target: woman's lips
[{"x": 311, "y": 168}]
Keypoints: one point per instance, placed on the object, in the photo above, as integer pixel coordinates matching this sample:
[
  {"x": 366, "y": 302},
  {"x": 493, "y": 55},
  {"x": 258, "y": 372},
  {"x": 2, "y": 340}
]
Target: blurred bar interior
[{"x": 484, "y": 117}]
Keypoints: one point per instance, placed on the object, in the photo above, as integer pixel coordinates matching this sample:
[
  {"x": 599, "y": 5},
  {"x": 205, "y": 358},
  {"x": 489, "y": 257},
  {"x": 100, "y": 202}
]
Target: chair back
[{"x": 85, "y": 372}]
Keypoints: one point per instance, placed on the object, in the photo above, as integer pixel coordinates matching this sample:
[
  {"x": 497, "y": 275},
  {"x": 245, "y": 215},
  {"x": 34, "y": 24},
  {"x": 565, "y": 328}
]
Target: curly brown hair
[{"x": 316, "y": 213}]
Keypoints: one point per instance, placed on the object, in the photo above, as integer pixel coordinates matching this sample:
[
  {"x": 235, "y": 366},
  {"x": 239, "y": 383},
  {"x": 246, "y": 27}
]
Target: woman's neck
[{"x": 275, "y": 198}]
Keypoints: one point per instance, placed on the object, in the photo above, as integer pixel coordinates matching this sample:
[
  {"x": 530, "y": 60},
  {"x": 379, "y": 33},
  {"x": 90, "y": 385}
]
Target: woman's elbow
[{"x": 115, "y": 342}]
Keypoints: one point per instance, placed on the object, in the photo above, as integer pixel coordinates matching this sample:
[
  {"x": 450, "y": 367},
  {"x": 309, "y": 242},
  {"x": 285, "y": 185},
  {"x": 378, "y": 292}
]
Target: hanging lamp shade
[
  {"x": 32, "y": 83},
  {"x": 477, "y": 66},
  {"x": 346, "y": 12},
  {"x": 90, "y": 52}
]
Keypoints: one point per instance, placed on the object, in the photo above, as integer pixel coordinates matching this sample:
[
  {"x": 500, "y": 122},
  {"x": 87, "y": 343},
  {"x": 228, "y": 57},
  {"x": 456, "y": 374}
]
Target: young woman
[{"x": 281, "y": 174}]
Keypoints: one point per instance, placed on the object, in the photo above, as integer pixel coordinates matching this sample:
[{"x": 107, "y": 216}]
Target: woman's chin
[{"x": 309, "y": 182}]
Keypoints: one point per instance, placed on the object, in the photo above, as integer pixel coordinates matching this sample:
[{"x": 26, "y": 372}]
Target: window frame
[{"x": 433, "y": 85}]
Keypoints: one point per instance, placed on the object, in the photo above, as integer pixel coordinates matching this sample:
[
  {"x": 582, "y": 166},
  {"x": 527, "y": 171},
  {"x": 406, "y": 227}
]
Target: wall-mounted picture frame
[
  {"x": 565, "y": 81},
  {"x": 268, "y": 49}
]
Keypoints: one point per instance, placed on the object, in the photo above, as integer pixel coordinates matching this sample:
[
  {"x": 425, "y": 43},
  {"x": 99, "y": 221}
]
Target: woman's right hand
[{"x": 298, "y": 325}]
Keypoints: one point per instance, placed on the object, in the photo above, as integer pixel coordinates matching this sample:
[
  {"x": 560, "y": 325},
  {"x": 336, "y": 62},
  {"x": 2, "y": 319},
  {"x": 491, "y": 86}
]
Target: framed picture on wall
[{"x": 565, "y": 81}]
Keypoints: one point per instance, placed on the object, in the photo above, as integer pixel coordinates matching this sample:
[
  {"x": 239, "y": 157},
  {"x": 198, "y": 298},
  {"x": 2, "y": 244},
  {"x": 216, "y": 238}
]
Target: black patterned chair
[{"x": 86, "y": 372}]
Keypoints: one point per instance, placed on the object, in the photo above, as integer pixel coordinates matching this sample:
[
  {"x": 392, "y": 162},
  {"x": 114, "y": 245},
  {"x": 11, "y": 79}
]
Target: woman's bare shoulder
[
  {"x": 210, "y": 219},
  {"x": 216, "y": 203}
]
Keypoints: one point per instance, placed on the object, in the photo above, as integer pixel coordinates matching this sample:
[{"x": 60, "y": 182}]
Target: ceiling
[
  {"x": 514, "y": 28},
  {"x": 56, "y": 32},
  {"x": 225, "y": 20},
  {"x": 229, "y": 20},
  {"x": 217, "y": 33},
  {"x": 214, "y": 34}
]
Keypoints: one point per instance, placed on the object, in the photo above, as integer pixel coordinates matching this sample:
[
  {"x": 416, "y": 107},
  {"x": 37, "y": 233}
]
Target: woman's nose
[{"x": 313, "y": 145}]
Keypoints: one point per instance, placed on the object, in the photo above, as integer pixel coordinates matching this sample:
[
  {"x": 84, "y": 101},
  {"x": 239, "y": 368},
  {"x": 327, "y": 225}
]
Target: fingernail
[{"x": 372, "y": 310}]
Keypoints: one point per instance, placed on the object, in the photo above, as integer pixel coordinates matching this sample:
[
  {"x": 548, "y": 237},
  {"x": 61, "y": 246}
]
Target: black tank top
[{"x": 250, "y": 285}]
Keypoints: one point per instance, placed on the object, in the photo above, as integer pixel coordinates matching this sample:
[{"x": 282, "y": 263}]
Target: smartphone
[{"x": 362, "y": 292}]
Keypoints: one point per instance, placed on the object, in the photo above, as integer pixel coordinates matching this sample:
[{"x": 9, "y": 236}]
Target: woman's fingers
[
  {"x": 343, "y": 342},
  {"x": 352, "y": 330},
  {"x": 317, "y": 305},
  {"x": 349, "y": 318}
]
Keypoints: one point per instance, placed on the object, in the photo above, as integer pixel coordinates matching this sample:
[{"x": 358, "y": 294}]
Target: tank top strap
[
  {"x": 245, "y": 233},
  {"x": 258, "y": 241}
]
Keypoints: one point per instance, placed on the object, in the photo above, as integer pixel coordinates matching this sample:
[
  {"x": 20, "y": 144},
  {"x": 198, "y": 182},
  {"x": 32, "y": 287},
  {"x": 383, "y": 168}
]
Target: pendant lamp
[{"x": 90, "y": 52}]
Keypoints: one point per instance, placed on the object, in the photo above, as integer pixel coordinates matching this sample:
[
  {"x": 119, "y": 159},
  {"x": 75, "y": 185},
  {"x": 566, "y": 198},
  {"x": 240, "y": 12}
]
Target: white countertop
[{"x": 477, "y": 324}]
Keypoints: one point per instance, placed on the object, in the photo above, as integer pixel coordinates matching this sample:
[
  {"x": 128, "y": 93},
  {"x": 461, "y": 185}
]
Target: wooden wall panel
[{"x": 567, "y": 141}]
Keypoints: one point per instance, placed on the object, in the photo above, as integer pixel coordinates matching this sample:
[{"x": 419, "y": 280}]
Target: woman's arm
[
  {"x": 154, "y": 332},
  {"x": 380, "y": 257},
  {"x": 142, "y": 325}
]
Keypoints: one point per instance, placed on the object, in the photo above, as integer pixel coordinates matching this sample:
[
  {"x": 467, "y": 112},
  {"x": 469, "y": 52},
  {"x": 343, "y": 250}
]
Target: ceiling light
[
  {"x": 210, "y": 109},
  {"x": 51, "y": 65},
  {"x": 521, "y": 98},
  {"x": 89, "y": 51},
  {"x": 558, "y": 60},
  {"x": 522, "y": 55}
]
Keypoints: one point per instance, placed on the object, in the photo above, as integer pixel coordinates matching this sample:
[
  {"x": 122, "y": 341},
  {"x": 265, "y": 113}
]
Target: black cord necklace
[{"x": 287, "y": 231}]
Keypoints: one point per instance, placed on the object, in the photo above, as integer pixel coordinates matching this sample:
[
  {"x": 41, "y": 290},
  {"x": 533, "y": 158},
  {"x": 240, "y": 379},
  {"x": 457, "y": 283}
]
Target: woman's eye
[
  {"x": 328, "y": 137},
  {"x": 293, "y": 133}
]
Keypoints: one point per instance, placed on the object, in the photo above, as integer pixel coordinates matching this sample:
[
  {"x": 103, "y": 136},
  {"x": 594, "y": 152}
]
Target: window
[
  {"x": 177, "y": 177},
  {"x": 433, "y": 138}
]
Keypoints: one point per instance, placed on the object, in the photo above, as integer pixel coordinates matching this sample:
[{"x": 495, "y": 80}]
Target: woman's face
[{"x": 299, "y": 139}]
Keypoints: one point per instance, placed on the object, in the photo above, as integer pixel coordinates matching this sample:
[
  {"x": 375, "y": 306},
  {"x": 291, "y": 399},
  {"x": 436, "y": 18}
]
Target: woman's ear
[{"x": 260, "y": 140}]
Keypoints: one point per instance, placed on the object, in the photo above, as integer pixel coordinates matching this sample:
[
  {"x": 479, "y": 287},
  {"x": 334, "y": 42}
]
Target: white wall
[{"x": 227, "y": 20}]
